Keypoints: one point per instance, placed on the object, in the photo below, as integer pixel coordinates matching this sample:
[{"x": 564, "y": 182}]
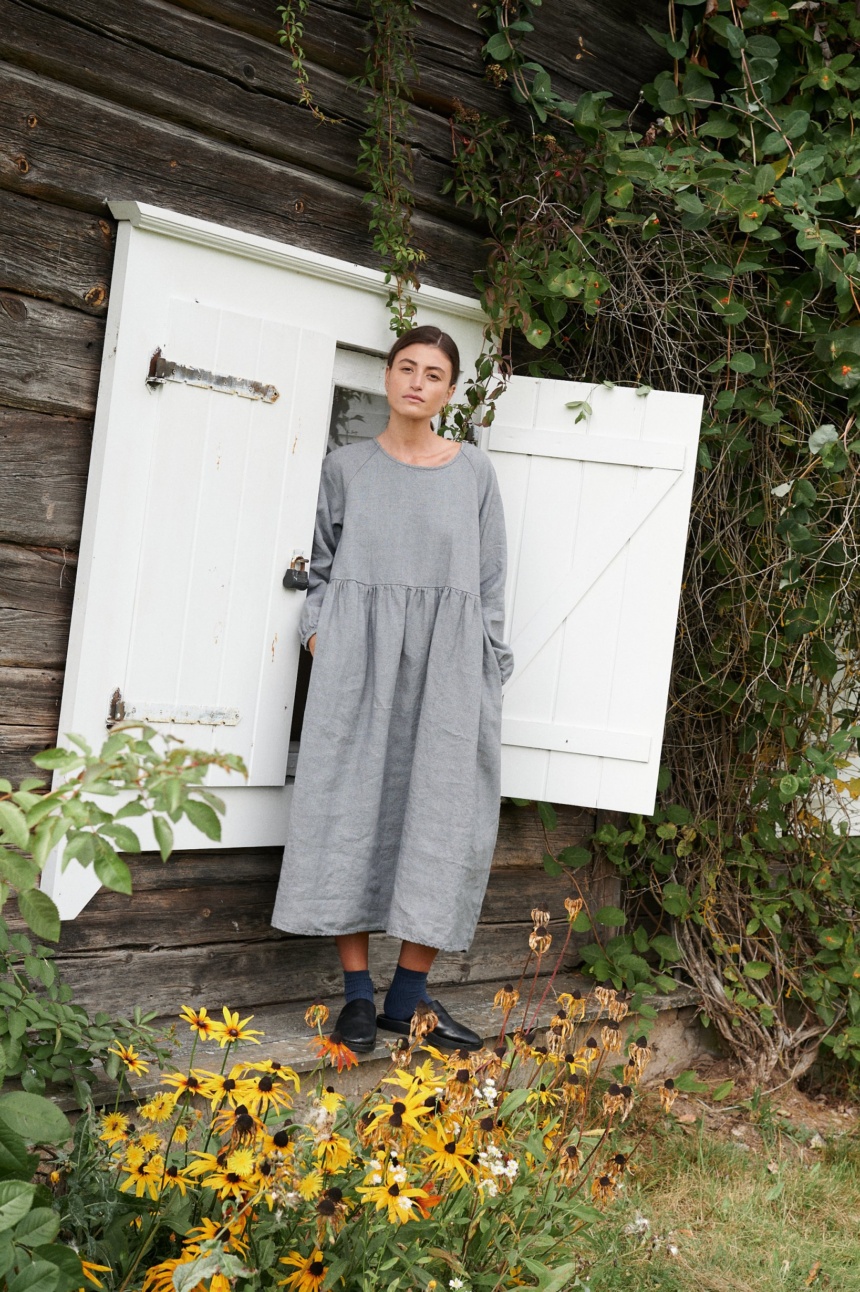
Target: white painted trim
[
  {"x": 586, "y": 448},
  {"x": 172, "y": 224}
]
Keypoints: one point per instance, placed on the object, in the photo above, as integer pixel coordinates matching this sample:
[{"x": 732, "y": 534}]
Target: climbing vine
[{"x": 711, "y": 246}]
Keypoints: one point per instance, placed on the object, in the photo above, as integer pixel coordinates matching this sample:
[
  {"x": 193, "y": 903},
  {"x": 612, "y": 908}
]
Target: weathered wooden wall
[{"x": 190, "y": 104}]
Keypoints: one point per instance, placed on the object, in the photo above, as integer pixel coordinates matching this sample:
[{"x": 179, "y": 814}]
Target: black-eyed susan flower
[
  {"x": 573, "y": 1089},
  {"x": 603, "y": 1189},
  {"x": 238, "y": 1123},
  {"x": 115, "y": 1128},
  {"x": 640, "y": 1053},
  {"x": 333, "y": 1152},
  {"x": 198, "y": 1020},
  {"x": 174, "y": 1178},
  {"x": 335, "y": 1050},
  {"x": 540, "y": 940},
  {"x": 393, "y": 1194},
  {"x": 90, "y": 1269},
  {"x": 309, "y": 1271},
  {"x": 422, "y": 1023},
  {"x": 316, "y": 1014},
  {"x": 186, "y": 1083},
  {"x": 159, "y": 1278},
  {"x": 573, "y": 905},
  {"x": 573, "y": 1003},
  {"x": 274, "y": 1067},
  {"x": 130, "y": 1057},
  {"x": 539, "y": 917},
  {"x": 619, "y": 1008},
  {"x": 613, "y": 1099},
  {"x": 446, "y": 1154},
  {"x": 267, "y": 1092},
  {"x": 569, "y": 1162},
  {"x": 506, "y": 998},
  {"x": 605, "y": 993},
  {"x": 234, "y": 1029},
  {"x": 610, "y": 1035},
  {"x": 144, "y": 1177},
  {"x": 407, "y": 1111},
  {"x": 668, "y": 1094}
]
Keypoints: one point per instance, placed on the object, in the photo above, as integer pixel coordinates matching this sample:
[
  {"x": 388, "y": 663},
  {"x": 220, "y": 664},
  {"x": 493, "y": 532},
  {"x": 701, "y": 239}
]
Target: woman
[{"x": 396, "y": 802}]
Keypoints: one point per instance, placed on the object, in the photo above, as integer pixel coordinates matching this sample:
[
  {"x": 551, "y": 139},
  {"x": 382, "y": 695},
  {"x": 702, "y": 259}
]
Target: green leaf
[
  {"x": 498, "y": 47},
  {"x": 13, "y": 826},
  {"x": 742, "y": 362},
  {"x": 36, "y": 1119},
  {"x": 35, "y": 1276},
  {"x": 40, "y": 913},
  {"x": 575, "y": 857},
  {"x": 688, "y": 1083},
  {"x": 67, "y": 1262},
  {"x": 611, "y": 916},
  {"x": 39, "y": 1226},
  {"x": 538, "y": 335},
  {"x": 619, "y": 195},
  {"x": 757, "y": 969},
  {"x": 163, "y": 831},
  {"x": 548, "y": 815},
  {"x": 61, "y": 759},
  {"x": 202, "y": 816},
  {"x": 124, "y": 838},
  {"x": 823, "y": 436},
  {"x": 551, "y": 866},
  {"x": 666, "y": 947},
  {"x": 15, "y": 1162},
  {"x": 110, "y": 867},
  {"x": 722, "y": 1090},
  {"x": 16, "y": 1197},
  {"x": 20, "y": 872}
]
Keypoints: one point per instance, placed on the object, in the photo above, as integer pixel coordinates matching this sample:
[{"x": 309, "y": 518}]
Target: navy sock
[
  {"x": 408, "y": 986},
  {"x": 357, "y": 985}
]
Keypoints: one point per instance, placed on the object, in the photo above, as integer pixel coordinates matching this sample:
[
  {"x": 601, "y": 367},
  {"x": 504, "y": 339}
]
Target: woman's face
[{"x": 418, "y": 383}]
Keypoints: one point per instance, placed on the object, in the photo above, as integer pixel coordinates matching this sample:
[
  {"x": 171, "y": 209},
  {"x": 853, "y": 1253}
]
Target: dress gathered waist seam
[{"x": 411, "y": 587}]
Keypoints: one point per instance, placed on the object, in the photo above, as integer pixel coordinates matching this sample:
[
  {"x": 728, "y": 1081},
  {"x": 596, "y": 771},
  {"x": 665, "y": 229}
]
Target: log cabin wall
[{"x": 191, "y": 105}]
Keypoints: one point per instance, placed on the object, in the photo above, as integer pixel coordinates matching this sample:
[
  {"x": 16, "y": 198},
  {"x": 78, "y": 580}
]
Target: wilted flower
[
  {"x": 569, "y": 1163},
  {"x": 640, "y": 1054},
  {"x": 613, "y": 1100},
  {"x": 610, "y": 1035},
  {"x": 668, "y": 1094},
  {"x": 573, "y": 1003},
  {"x": 422, "y": 1024},
  {"x": 619, "y": 1008},
  {"x": 506, "y": 997},
  {"x": 603, "y": 1189},
  {"x": 540, "y": 939},
  {"x": 573, "y": 1090},
  {"x": 605, "y": 993},
  {"x": 316, "y": 1015},
  {"x": 539, "y": 917},
  {"x": 573, "y": 905}
]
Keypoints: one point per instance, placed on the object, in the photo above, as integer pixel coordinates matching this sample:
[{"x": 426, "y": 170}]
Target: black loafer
[
  {"x": 356, "y": 1025},
  {"x": 448, "y": 1033}
]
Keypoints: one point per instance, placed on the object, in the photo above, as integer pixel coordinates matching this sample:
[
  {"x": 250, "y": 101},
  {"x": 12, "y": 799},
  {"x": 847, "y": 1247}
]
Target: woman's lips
[{"x": 415, "y": 399}]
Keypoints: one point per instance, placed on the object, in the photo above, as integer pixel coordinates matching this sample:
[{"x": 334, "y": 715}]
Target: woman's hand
[{"x": 312, "y": 643}]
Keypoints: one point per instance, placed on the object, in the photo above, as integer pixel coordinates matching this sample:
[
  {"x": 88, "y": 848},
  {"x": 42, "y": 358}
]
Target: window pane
[{"x": 355, "y": 415}]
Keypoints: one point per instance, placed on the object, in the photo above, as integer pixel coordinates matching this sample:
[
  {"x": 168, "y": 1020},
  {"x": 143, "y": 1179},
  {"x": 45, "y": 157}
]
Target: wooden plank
[
  {"x": 49, "y": 356},
  {"x": 17, "y": 745},
  {"x": 183, "y": 69},
  {"x": 30, "y": 697},
  {"x": 43, "y": 482},
  {"x": 249, "y": 974},
  {"x": 171, "y": 915},
  {"x": 54, "y": 253},
  {"x": 36, "y": 588},
  {"x": 522, "y": 841},
  {"x": 84, "y": 149}
]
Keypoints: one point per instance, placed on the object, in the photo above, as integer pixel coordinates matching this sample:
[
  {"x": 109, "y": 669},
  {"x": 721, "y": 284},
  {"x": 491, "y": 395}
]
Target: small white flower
[
  {"x": 404, "y": 1203},
  {"x": 455, "y": 1283}
]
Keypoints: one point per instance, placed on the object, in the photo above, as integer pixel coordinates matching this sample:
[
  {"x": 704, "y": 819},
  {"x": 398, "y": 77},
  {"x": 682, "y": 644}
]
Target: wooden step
[{"x": 289, "y": 1040}]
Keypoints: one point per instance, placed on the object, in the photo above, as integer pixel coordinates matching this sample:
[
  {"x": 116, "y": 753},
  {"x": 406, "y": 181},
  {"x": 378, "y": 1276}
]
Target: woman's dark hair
[{"x": 428, "y": 335}]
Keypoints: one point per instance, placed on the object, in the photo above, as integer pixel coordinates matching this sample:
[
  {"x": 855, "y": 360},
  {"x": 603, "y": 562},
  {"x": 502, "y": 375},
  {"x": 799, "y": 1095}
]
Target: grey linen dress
[{"x": 395, "y": 808}]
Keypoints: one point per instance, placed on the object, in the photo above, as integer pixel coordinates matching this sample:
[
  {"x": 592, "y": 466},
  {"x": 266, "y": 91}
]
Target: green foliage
[
  {"x": 46, "y": 1040},
  {"x": 385, "y": 155},
  {"x": 712, "y": 249}
]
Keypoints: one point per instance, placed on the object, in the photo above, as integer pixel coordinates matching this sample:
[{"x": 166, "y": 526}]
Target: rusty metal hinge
[{"x": 162, "y": 370}]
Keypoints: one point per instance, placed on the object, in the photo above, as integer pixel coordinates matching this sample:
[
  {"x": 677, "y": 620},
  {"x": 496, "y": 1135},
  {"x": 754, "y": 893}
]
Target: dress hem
[{"x": 363, "y": 928}]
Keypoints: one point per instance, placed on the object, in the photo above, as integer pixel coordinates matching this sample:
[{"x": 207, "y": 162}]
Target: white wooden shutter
[
  {"x": 198, "y": 499},
  {"x": 597, "y": 513}
]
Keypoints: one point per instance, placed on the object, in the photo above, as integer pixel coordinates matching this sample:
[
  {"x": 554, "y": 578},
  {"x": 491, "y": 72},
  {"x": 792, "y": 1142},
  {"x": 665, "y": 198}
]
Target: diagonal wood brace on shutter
[{"x": 162, "y": 370}]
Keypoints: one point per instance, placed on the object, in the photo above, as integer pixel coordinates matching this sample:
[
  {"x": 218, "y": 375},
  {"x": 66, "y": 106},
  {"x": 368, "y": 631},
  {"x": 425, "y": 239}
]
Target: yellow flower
[
  {"x": 144, "y": 1178},
  {"x": 174, "y": 1179},
  {"x": 114, "y": 1128},
  {"x": 331, "y": 1100},
  {"x": 506, "y": 998},
  {"x": 180, "y": 1133},
  {"x": 404, "y": 1111},
  {"x": 233, "y": 1030},
  {"x": 132, "y": 1060},
  {"x": 334, "y": 1152},
  {"x": 185, "y": 1082},
  {"x": 220, "y": 1087},
  {"x": 159, "y": 1278},
  {"x": 198, "y": 1020},
  {"x": 242, "y": 1161},
  {"x": 149, "y": 1141},
  {"x": 395, "y": 1196},
  {"x": 310, "y": 1186},
  {"x": 160, "y": 1107},
  {"x": 89, "y": 1268},
  {"x": 333, "y": 1048},
  {"x": 310, "y": 1271},
  {"x": 448, "y": 1155},
  {"x": 265, "y": 1093}
]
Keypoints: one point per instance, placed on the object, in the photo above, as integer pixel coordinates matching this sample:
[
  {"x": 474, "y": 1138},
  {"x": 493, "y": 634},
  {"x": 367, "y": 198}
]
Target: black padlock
[{"x": 296, "y": 576}]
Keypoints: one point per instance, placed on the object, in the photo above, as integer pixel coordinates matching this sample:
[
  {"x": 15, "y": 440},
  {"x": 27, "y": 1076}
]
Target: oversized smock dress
[{"x": 395, "y": 807}]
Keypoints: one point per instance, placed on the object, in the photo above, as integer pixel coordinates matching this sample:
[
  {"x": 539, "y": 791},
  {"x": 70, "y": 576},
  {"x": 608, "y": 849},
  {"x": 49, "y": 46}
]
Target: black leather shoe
[
  {"x": 448, "y": 1033},
  {"x": 356, "y": 1025}
]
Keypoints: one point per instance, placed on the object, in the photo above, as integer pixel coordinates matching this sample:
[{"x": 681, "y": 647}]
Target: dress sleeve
[
  {"x": 494, "y": 571},
  {"x": 329, "y": 521}
]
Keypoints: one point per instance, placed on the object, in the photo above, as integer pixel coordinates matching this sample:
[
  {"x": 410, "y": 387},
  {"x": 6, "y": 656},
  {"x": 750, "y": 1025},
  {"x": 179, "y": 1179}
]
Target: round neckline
[{"x": 415, "y": 466}]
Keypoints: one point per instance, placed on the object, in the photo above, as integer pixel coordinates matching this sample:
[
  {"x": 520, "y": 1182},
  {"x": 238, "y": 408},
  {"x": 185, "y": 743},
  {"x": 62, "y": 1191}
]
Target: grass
[{"x": 722, "y": 1219}]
